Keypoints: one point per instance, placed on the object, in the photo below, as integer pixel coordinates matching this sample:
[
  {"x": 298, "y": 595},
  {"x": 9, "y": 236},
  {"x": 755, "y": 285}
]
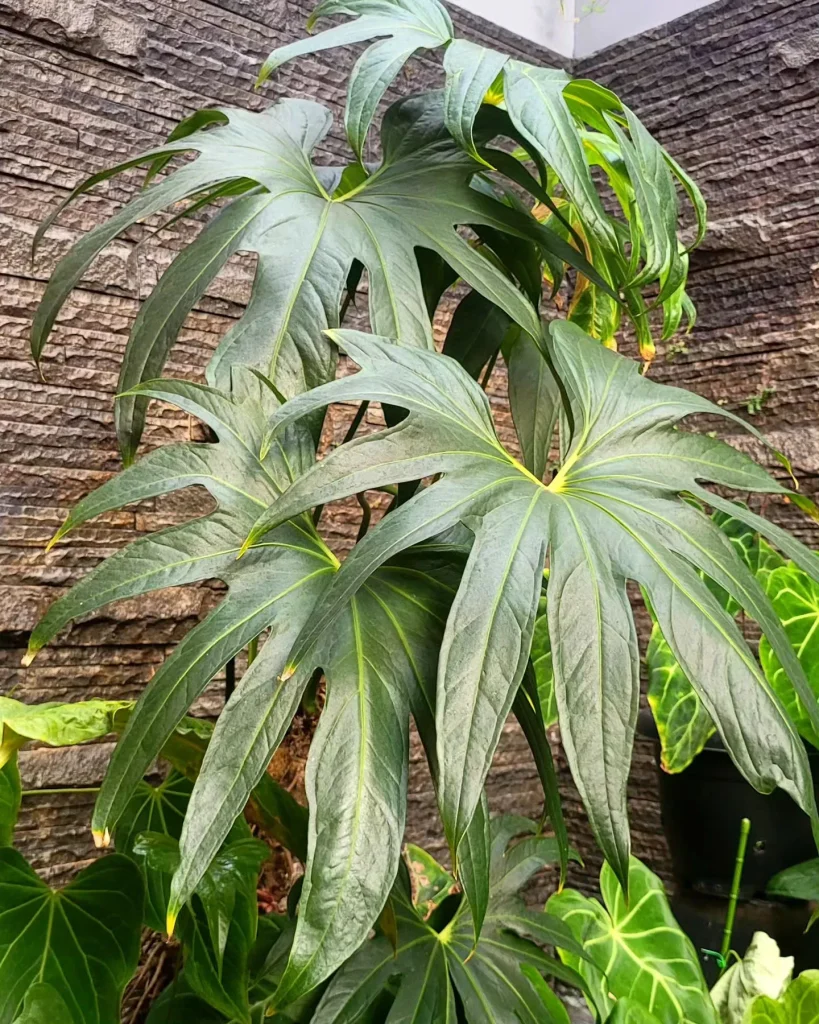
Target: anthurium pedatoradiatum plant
[{"x": 501, "y": 181}]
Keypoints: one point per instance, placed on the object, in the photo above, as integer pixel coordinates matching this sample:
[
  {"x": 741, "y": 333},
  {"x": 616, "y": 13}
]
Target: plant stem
[
  {"x": 739, "y": 864},
  {"x": 351, "y": 432},
  {"x": 488, "y": 371},
  {"x": 230, "y": 678},
  {"x": 52, "y": 792},
  {"x": 252, "y": 651},
  {"x": 365, "y": 516}
]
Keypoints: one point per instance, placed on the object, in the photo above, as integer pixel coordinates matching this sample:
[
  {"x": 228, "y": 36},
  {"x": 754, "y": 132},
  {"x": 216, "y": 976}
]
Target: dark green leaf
[
  {"x": 82, "y": 940},
  {"x": 10, "y": 796},
  {"x": 44, "y": 1005},
  {"x": 801, "y": 882},
  {"x": 614, "y": 511},
  {"x": 534, "y": 400},
  {"x": 528, "y": 711},
  {"x": 476, "y": 333},
  {"x": 218, "y": 928},
  {"x": 556, "y": 1012}
]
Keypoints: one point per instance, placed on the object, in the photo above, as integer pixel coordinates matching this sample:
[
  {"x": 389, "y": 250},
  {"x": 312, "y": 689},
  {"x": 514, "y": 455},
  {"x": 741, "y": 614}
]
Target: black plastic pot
[{"x": 702, "y": 808}]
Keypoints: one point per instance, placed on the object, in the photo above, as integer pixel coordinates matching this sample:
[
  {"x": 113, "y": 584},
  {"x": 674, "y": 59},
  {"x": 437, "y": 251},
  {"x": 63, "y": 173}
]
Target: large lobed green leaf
[
  {"x": 379, "y": 662},
  {"x": 432, "y": 961},
  {"x": 614, "y": 511},
  {"x": 569, "y": 126},
  {"x": 635, "y": 949},
  {"x": 407, "y": 26},
  {"x": 276, "y": 587},
  {"x": 307, "y": 237}
]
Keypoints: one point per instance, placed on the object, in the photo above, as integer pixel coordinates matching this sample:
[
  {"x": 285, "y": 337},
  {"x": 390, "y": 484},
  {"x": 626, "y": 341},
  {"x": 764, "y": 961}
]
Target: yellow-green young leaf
[
  {"x": 765, "y": 1010},
  {"x": 683, "y": 724},
  {"x": 799, "y": 1005},
  {"x": 763, "y": 971},
  {"x": 82, "y": 940},
  {"x": 636, "y": 949},
  {"x": 795, "y": 596},
  {"x": 802, "y": 999},
  {"x": 58, "y": 725}
]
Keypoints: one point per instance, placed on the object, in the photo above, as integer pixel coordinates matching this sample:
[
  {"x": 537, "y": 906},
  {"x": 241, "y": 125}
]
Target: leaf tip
[
  {"x": 58, "y": 536},
  {"x": 289, "y": 672},
  {"x": 102, "y": 840},
  {"x": 28, "y": 657}
]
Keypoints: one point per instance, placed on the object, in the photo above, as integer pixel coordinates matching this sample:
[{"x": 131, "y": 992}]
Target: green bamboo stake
[{"x": 739, "y": 864}]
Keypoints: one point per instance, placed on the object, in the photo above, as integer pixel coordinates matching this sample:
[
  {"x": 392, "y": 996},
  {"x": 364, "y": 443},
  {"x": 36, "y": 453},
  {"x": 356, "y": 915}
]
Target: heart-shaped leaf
[
  {"x": 55, "y": 724},
  {"x": 635, "y": 949},
  {"x": 795, "y": 597},
  {"x": 82, "y": 940},
  {"x": 44, "y": 1004},
  {"x": 761, "y": 971}
]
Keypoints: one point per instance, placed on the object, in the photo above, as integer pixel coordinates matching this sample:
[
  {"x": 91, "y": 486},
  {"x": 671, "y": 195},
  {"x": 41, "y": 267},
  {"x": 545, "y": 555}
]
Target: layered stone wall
[
  {"x": 83, "y": 85},
  {"x": 731, "y": 90}
]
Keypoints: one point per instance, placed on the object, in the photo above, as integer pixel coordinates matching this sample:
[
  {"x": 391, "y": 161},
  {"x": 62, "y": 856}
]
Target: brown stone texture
[
  {"x": 731, "y": 90},
  {"x": 85, "y": 84}
]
